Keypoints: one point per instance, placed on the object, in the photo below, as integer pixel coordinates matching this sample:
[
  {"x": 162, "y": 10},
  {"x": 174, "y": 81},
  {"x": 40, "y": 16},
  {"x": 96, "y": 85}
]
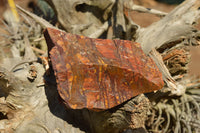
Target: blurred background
[{"x": 41, "y": 8}]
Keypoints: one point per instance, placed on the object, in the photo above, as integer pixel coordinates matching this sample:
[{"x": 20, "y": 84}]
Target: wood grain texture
[{"x": 99, "y": 73}]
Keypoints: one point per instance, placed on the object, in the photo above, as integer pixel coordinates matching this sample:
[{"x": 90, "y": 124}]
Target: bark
[{"x": 27, "y": 104}]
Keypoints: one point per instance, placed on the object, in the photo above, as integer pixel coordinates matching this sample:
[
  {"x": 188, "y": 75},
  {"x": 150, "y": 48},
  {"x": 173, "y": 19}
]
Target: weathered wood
[
  {"x": 26, "y": 104},
  {"x": 177, "y": 25},
  {"x": 83, "y": 17}
]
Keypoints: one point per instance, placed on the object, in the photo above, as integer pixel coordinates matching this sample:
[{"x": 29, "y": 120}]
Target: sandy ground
[{"x": 145, "y": 19}]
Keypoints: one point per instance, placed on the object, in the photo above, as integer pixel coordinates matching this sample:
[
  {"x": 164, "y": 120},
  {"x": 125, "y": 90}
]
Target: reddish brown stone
[{"x": 99, "y": 73}]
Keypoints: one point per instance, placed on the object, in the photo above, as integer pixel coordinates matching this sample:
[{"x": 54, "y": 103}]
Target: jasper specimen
[{"x": 99, "y": 73}]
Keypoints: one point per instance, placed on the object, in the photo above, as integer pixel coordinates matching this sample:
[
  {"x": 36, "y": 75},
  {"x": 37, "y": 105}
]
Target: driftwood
[{"x": 27, "y": 104}]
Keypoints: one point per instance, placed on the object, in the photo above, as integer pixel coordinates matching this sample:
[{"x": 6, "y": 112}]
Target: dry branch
[
  {"x": 176, "y": 25},
  {"x": 39, "y": 20},
  {"x": 133, "y": 7}
]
